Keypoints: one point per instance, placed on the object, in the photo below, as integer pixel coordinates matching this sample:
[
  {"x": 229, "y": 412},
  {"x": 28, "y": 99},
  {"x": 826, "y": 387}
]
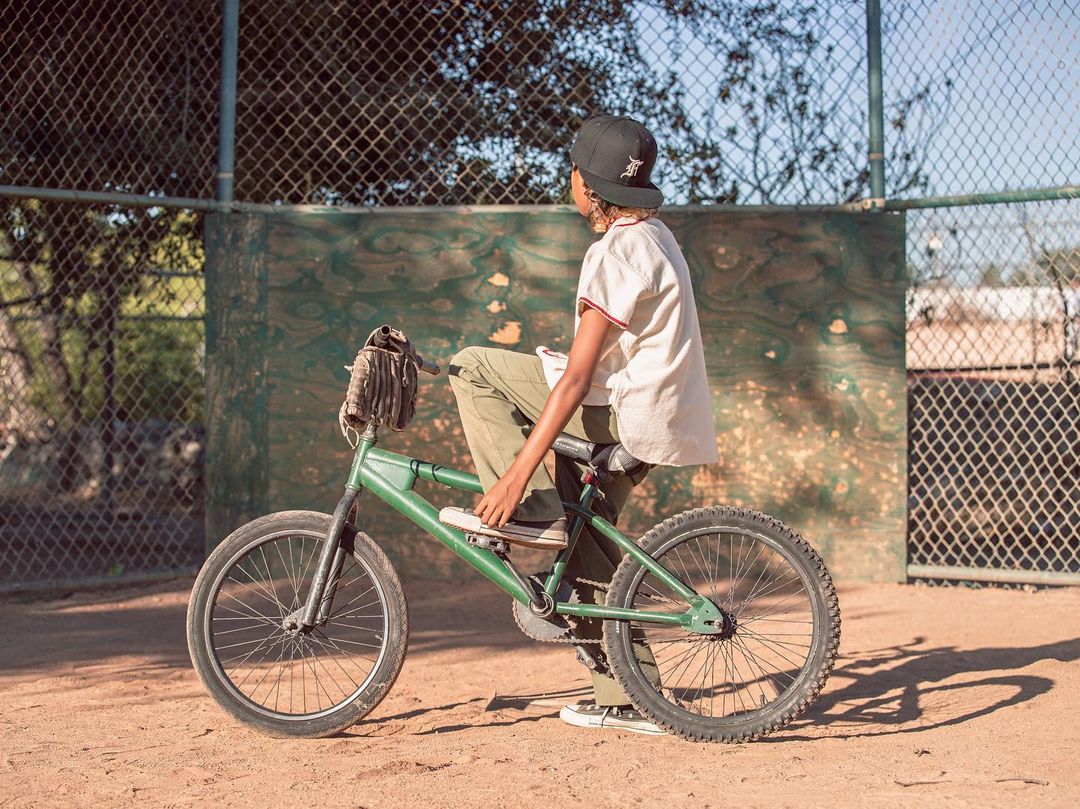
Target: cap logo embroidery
[{"x": 631, "y": 168}]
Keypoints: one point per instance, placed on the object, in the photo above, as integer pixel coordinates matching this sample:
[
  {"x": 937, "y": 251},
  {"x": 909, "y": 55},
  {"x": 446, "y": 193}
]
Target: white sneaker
[
  {"x": 591, "y": 715},
  {"x": 548, "y": 535}
]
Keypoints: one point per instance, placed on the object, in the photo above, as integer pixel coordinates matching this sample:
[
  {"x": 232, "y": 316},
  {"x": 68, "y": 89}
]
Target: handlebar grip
[{"x": 427, "y": 367}]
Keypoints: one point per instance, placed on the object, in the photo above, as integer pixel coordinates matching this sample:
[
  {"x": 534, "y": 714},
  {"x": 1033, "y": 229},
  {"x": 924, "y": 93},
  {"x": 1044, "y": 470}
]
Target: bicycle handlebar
[{"x": 427, "y": 367}]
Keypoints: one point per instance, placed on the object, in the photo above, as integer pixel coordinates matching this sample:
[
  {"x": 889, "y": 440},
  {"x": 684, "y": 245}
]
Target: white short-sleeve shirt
[{"x": 652, "y": 367}]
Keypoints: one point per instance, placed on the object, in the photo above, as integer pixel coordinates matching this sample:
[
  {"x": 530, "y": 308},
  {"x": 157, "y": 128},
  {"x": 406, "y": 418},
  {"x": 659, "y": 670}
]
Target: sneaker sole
[
  {"x": 470, "y": 523},
  {"x": 609, "y": 722}
]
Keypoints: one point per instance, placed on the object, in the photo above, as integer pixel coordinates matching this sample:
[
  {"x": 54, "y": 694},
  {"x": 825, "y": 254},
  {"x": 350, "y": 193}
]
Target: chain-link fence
[
  {"x": 101, "y": 329},
  {"x": 475, "y": 101},
  {"x": 118, "y": 96},
  {"x": 101, "y": 413},
  {"x": 994, "y": 305},
  {"x": 994, "y": 396}
]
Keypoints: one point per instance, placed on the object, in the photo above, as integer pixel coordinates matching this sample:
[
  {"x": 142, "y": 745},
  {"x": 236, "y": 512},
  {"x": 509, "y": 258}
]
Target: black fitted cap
[{"x": 615, "y": 156}]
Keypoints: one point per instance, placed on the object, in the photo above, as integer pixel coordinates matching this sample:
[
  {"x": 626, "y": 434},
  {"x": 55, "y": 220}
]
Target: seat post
[{"x": 589, "y": 490}]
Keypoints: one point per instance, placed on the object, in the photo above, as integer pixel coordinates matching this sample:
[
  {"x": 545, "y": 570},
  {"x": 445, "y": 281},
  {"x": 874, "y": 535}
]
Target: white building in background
[{"x": 990, "y": 330}]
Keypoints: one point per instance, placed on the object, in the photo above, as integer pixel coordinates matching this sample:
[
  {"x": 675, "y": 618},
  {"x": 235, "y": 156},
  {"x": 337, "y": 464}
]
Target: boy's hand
[
  {"x": 496, "y": 507},
  {"x": 498, "y": 504}
]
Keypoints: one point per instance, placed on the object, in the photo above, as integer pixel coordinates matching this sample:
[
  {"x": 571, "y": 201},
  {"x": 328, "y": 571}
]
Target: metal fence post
[
  {"x": 230, "y": 25},
  {"x": 877, "y": 111}
]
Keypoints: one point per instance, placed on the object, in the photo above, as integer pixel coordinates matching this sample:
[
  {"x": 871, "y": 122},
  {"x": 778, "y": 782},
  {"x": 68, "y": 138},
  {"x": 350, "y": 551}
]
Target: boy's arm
[{"x": 498, "y": 504}]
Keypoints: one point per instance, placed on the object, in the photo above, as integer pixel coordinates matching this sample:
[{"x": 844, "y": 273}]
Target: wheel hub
[
  {"x": 706, "y": 618},
  {"x": 727, "y": 626},
  {"x": 293, "y": 622}
]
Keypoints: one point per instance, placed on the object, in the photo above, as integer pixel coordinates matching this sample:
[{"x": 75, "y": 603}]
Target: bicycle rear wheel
[
  {"x": 286, "y": 683},
  {"x": 762, "y": 671}
]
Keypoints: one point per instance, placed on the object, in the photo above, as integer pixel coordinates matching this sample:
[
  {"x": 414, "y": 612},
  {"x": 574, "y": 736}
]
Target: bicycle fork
[{"x": 320, "y": 598}]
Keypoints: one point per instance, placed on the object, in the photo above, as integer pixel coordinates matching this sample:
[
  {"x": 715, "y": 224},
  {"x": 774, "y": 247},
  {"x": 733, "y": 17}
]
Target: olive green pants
[{"x": 500, "y": 395}]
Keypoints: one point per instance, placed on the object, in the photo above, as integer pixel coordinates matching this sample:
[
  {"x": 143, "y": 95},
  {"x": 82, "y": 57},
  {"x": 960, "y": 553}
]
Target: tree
[
  {"x": 102, "y": 97},
  {"x": 359, "y": 103},
  {"x": 442, "y": 101},
  {"x": 474, "y": 101},
  {"x": 67, "y": 276}
]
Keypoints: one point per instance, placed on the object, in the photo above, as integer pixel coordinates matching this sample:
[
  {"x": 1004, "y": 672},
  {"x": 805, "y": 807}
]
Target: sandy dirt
[{"x": 941, "y": 697}]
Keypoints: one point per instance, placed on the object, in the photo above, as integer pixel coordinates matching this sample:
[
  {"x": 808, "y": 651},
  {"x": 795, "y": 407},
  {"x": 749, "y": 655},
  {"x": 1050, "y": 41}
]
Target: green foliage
[
  {"x": 448, "y": 101},
  {"x": 80, "y": 285},
  {"x": 160, "y": 364}
]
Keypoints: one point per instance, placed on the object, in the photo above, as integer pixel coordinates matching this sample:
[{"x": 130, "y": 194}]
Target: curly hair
[{"x": 602, "y": 213}]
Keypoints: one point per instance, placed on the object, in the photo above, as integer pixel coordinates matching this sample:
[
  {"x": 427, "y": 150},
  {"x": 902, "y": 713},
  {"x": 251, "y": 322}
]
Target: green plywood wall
[{"x": 801, "y": 313}]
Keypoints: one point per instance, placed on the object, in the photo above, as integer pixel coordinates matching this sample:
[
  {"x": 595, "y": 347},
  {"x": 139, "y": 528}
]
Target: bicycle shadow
[
  {"x": 528, "y": 707},
  {"x": 886, "y": 688}
]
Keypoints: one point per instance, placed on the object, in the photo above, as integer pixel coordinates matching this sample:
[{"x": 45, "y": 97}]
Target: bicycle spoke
[
  {"x": 762, "y": 590},
  {"x": 353, "y": 601},
  {"x": 247, "y": 656},
  {"x": 784, "y": 643},
  {"x": 269, "y": 671},
  {"x": 754, "y": 586},
  {"x": 773, "y": 649},
  {"x": 741, "y": 674},
  {"x": 252, "y": 619},
  {"x": 285, "y": 674},
  {"x": 315, "y": 677},
  {"x": 238, "y": 629},
  {"x": 253, "y": 615},
  {"x": 780, "y": 687},
  {"x": 707, "y": 571},
  {"x": 355, "y": 643},
  {"x": 355, "y": 612},
  {"x": 738, "y": 674},
  {"x": 337, "y": 662},
  {"x": 755, "y": 670},
  {"x": 772, "y": 609},
  {"x": 261, "y": 593},
  {"x": 738, "y": 579},
  {"x": 331, "y": 677},
  {"x": 288, "y": 573}
]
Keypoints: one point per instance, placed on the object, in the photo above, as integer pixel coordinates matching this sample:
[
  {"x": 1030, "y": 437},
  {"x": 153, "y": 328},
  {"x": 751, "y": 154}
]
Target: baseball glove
[{"x": 382, "y": 383}]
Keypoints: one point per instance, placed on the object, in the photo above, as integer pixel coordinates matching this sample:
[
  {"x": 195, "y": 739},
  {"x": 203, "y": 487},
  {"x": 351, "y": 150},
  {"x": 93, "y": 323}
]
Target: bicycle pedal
[
  {"x": 494, "y": 544},
  {"x": 592, "y": 660}
]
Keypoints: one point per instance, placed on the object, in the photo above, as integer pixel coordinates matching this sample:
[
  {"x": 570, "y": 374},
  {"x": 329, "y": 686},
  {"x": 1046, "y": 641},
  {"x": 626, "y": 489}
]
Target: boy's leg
[
  {"x": 500, "y": 395},
  {"x": 595, "y": 558}
]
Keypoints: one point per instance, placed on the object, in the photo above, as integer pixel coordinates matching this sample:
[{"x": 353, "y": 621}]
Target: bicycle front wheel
[
  {"x": 769, "y": 664},
  {"x": 286, "y": 683}
]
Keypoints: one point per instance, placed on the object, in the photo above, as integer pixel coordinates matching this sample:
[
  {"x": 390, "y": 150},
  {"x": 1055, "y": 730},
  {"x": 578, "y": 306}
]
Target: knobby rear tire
[
  {"x": 237, "y": 548},
  {"x": 780, "y": 542}
]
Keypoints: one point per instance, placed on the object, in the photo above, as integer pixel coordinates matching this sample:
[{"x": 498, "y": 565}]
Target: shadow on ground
[{"x": 888, "y": 686}]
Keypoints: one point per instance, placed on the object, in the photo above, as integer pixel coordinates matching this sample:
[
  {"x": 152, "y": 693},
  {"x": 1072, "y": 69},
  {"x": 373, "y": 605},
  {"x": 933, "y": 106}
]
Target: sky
[{"x": 1002, "y": 112}]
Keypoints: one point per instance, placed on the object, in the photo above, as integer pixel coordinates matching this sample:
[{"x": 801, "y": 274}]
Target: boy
[{"x": 635, "y": 374}]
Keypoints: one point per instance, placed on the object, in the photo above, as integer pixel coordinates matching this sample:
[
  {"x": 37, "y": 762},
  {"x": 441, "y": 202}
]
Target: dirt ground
[{"x": 941, "y": 697}]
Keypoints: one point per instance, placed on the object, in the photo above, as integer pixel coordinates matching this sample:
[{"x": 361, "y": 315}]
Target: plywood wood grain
[{"x": 802, "y": 318}]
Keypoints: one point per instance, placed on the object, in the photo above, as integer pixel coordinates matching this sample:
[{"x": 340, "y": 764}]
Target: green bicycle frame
[{"x": 391, "y": 477}]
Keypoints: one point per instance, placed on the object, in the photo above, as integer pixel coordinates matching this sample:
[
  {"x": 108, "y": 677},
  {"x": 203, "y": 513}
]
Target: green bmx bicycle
[{"x": 720, "y": 623}]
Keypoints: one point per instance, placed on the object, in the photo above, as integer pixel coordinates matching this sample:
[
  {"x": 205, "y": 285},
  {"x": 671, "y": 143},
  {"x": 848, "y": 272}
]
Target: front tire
[
  {"x": 761, "y": 672},
  {"x": 282, "y": 683}
]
